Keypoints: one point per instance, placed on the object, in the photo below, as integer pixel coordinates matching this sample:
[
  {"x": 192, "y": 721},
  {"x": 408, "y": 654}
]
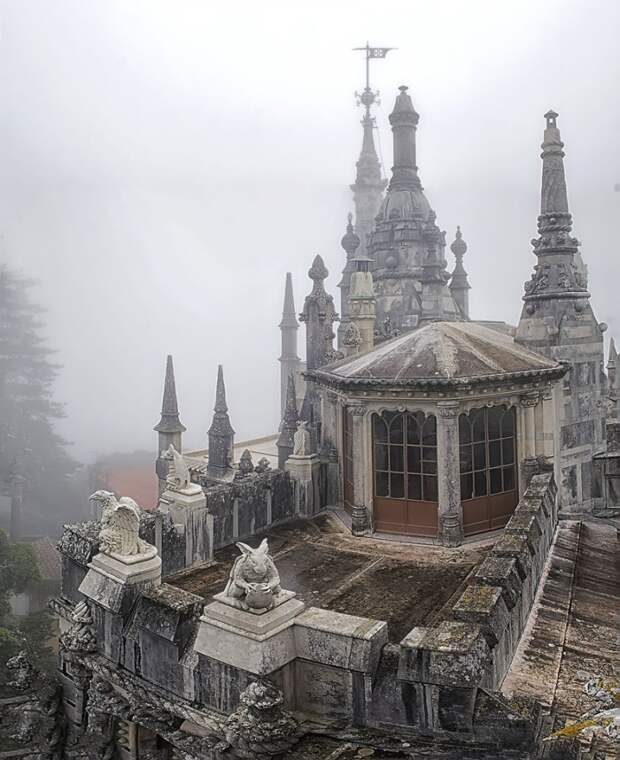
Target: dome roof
[
  {"x": 404, "y": 204},
  {"x": 442, "y": 353}
]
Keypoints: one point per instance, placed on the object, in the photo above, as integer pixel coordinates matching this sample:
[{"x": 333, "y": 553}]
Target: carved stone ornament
[
  {"x": 260, "y": 728},
  {"x": 302, "y": 445},
  {"x": 449, "y": 410},
  {"x": 357, "y": 411},
  {"x": 81, "y": 636},
  {"x": 263, "y": 465},
  {"x": 22, "y": 671},
  {"x": 254, "y": 582},
  {"x": 178, "y": 474},
  {"x": 352, "y": 337},
  {"x": 529, "y": 400},
  {"x": 246, "y": 465},
  {"x": 120, "y": 523}
]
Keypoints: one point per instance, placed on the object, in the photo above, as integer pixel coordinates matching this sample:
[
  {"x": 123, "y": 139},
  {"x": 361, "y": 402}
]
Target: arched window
[
  {"x": 405, "y": 472},
  {"x": 488, "y": 468}
]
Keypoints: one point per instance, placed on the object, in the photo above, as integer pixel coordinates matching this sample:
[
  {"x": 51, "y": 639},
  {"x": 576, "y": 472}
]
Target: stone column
[
  {"x": 547, "y": 426},
  {"x": 450, "y": 517},
  {"x": 360, "y": 519},
  {"x": 528, "y": 464}
]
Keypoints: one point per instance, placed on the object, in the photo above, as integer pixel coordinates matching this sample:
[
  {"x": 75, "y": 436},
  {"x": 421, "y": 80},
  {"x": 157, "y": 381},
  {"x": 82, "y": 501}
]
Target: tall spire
[
  {"x": 169, "y": 422},
  {"x": 556, "y": 275},
  {"x": 557, "y": 321},
  {"x": 289, "y": 319},
  {"x": 459, "y": 284},
  {"x": 169, "y": 428},
  {"x": 289, "y": 361},
  {"x": 285, "y": 442},
  {"x": 404, "y": 121},
  {"x": 221, "y": 433}
]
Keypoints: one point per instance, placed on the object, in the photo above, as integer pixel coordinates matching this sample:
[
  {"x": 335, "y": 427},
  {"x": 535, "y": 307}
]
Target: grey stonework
[
  {"x": 407, "y": 246},
  {"x": 290, "y": 363},
  {"x": 557, "y": 321},
  {"x": 221, "y": 433},
  {"x": 169, "y": 429}
]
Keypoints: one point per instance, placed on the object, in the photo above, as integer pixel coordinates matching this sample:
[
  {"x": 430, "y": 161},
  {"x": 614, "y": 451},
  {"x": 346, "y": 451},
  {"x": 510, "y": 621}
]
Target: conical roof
[{"x": 169, "y": 422}]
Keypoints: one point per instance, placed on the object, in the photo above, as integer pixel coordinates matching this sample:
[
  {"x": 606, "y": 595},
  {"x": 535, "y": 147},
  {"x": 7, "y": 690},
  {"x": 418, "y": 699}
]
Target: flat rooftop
[{"x": 405, "y": 584}]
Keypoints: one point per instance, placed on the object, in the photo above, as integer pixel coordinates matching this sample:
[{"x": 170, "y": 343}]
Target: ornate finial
[
  {"x": 350, "y": 242},
  {"x": 246, "y": 465},
  {"x": 459, "y": 246},
  {"x": 260, "y": 727},
  {"x": 551, "y": 116},
  {"x": 318, "y": 271}
]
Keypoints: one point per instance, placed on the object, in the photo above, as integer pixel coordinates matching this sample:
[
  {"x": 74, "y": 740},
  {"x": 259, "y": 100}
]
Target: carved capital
[
  {"x": 357, "y": 411},
  {"x": 448, "y": 409},
  {"x": 530, "y": 399}
]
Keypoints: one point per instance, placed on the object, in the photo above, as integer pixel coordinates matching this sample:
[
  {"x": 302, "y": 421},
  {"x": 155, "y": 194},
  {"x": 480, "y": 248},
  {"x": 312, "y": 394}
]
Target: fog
[{"x": 163, "y": 164}]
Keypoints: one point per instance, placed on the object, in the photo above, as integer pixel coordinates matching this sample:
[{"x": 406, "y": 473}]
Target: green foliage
[
  {"x": 33, "y": 457},
  {"x": 19, "y": 572}
]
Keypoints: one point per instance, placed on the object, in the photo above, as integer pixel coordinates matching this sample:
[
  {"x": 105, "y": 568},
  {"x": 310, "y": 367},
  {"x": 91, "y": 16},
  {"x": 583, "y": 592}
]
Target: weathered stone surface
[
  {"x": 502, "y": 572},
  {"x": 484, "y": 605},
  {"x": 346, "y": 641}
]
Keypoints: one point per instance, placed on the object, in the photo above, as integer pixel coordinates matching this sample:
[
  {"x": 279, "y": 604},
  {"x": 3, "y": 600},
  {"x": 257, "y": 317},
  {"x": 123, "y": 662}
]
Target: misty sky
[{"x": 164, "y": 163}]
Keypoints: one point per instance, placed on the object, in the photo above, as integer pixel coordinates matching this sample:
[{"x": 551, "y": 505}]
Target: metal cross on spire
[{"x": 368, "y": 97}]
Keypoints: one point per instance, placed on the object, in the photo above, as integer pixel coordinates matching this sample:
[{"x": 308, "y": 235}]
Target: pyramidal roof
[{"x": 442, "y": 352}]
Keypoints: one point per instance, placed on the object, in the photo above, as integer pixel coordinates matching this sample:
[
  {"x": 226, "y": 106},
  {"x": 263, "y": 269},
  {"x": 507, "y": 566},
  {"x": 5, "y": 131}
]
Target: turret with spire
[
  {"x": 557, "y": 320},
  {"x": 289, "y": 361},
  {"x": 221, "y": 433},
  {"x": 459, "y": 284},
  {"x": 169, "y": 428},
  {"x": 407, "y": 246}
]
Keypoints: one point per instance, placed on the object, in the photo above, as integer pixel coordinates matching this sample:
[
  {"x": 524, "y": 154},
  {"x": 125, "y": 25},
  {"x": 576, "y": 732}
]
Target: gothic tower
[
  {"x": 289, "y": 361},
  {"x": 557, "y": 320},
  {"x": 169, "y": 429},
  {"x": 407, "y": 246}
]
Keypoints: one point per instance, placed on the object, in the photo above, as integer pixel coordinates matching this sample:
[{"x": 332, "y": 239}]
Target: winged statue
[
  {"x": 178, "y": 474},
  {"x": 120, "y": 523}
]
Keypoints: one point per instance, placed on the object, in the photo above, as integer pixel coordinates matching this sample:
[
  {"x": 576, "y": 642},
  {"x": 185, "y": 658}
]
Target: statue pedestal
[
  {"x": 258, "y": 643},
  {"x": 304, "y": 471},
  {"x": 112, "y": 579},
  {"x": 188, "y": 509}
]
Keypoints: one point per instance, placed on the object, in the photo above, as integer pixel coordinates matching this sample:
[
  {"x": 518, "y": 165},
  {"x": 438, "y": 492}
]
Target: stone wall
[{"x": 475, "y": 645}]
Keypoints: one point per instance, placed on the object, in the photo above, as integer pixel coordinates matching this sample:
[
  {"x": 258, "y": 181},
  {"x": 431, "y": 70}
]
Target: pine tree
[{"x": 33, "y": 457}]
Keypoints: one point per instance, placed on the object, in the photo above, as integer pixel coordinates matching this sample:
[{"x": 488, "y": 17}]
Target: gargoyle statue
[
  {"x": 178, "y": 474},
  {"x": 254, "y": 581},
  {"x": 120, "y": 522}
]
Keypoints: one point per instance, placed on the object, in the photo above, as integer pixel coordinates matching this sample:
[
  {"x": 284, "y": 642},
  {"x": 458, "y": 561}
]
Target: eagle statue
[{"x": 120, "y": 523}]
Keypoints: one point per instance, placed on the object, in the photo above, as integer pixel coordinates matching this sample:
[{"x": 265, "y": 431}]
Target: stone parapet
[
  {"x": 344, "y": 641},
  {"x": 476, "y": 646}
]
